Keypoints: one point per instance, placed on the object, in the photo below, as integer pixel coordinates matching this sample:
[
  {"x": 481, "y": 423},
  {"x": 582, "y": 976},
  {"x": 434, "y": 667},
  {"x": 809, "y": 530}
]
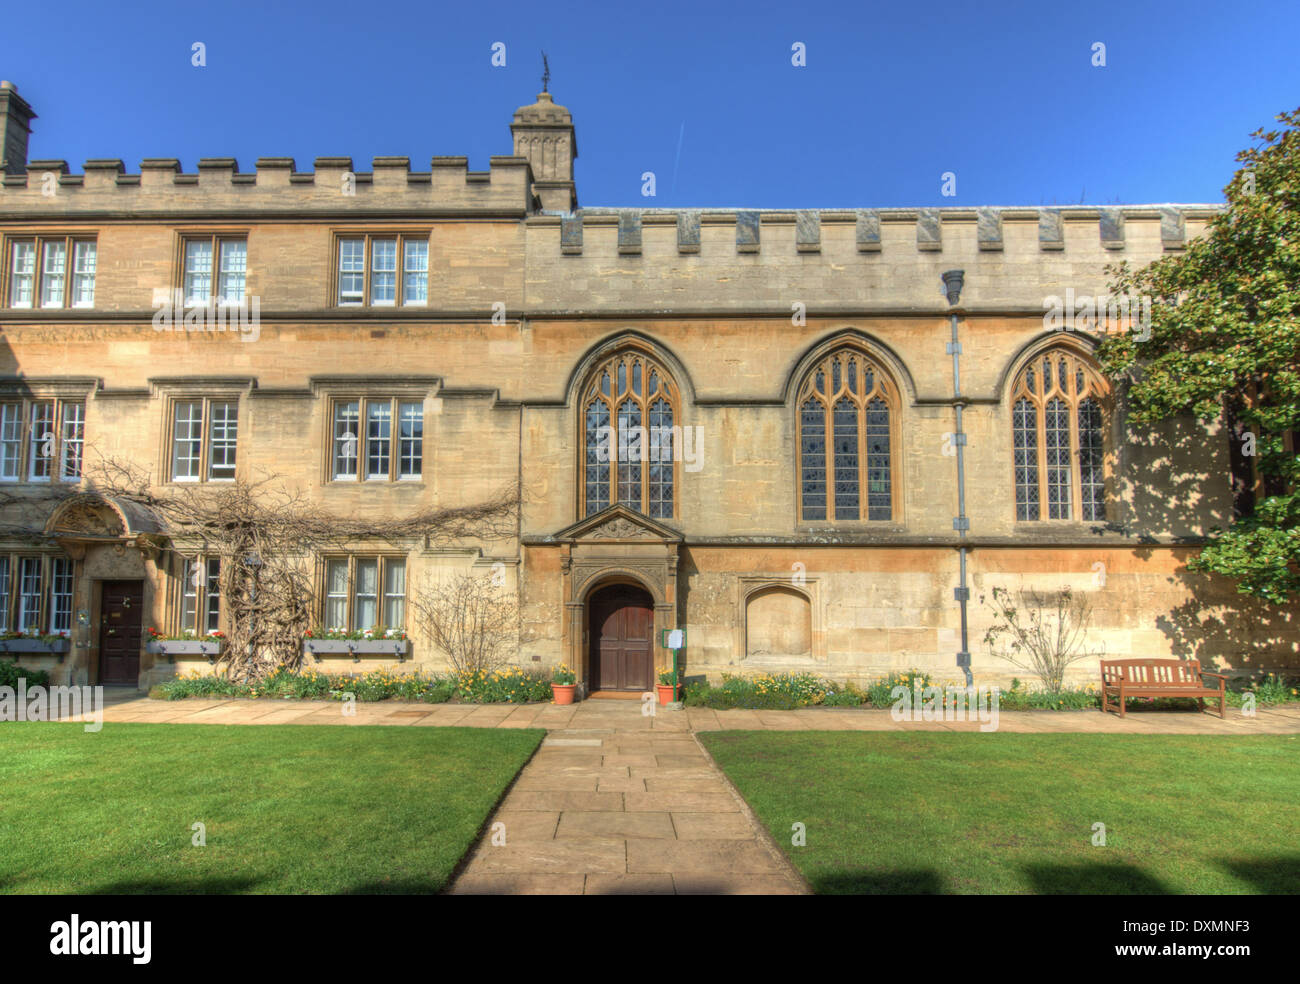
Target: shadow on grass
[
  {"x": 159, "y": 886},
  {"x": 1271, "y": 876},
  {"x": 242, "y": 886},
  {"x": 918, "y": 881},
  {"x": 1092, "y": 879},
  {"x": 412, "y": 886}
]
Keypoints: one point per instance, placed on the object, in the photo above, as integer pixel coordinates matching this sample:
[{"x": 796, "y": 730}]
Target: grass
[
  {"x": 287, "y": 809},
  {"x": 923, "y": 813}
]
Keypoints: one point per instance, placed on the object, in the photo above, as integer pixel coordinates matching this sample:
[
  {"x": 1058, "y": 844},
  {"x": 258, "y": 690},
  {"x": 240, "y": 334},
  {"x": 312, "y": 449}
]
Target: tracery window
[
  {"x": 1058, "y": 437},
  {"x": 629, "y": 429},
  {"x": 847, "y": 414}
]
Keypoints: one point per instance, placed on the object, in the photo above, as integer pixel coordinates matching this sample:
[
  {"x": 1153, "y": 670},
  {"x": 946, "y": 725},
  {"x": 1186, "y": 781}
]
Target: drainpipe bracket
[
  {"x": 961, "y": 594},
  {"x": 963, "y": 659},
  {"x": 953, "y": 348},
  {"x": 961, "y": 523}
]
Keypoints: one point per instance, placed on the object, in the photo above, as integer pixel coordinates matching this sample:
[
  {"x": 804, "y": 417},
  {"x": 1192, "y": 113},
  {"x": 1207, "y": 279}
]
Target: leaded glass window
[
  {"x": 846, "y": 432},
  {"x": 629, "y": 434},
  {"x": 1057, "y": 428}
]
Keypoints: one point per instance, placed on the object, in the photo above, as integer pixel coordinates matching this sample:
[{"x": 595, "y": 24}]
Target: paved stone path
[
  {"x": 126, "y": 705},
  {"x": 616, "y": 801}
]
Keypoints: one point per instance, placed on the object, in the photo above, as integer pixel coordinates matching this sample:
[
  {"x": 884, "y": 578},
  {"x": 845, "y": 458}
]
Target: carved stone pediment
[
  {"x": 618, "y": 524},
  {"x": 619, "y": 529},
  {"x": 96, "y": 517},
  {"x": 87, "y": 518}
]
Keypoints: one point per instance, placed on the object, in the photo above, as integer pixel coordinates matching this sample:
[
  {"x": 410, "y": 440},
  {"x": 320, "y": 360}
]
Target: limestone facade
[{"x": 523, "y": 301}]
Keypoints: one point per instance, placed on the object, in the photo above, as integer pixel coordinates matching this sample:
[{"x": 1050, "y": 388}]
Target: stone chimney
[
  {"x": 543, "y": 133},
  {"x": 17, "y": 117}
]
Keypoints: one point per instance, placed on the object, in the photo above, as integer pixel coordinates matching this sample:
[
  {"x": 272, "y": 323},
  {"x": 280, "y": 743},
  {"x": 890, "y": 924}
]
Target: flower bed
[
  {"x": 510, "y": 686},
  {"x": 786, "y": 691}
]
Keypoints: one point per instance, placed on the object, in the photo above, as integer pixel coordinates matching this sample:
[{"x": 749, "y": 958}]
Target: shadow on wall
[
  {"x": 1177, "y": 481},
  {"x": 1230, "y": 630}
]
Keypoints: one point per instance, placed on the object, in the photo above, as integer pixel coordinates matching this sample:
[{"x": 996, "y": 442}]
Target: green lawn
[
  {"x": 288, "y": 809},
  {"x": 924, "y": 813}
]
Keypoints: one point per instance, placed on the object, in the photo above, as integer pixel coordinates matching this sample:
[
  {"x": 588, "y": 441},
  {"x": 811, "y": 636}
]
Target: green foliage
[
  {"x": 1225, "y": 334},
  {"x": 843, "y": 698},
  {"x": 1272, "y": 689},
  {"x": 773, "y": 692},
  {"x": 878, "y": 693},
  {"x": 1019, "y": 698},
  {"x": 508, "y": 686},
  {"x": 198, "y": 686},
  {"x": 564, "y": 676},
  {"x": 11, "y": 673}
]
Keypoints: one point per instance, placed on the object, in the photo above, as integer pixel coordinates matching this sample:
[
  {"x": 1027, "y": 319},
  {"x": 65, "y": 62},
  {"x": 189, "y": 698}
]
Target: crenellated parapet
[
  {"x": 839, "y": 260},
  {"x": 335, "y": 189},
  {"x": 927, "y": 230}
]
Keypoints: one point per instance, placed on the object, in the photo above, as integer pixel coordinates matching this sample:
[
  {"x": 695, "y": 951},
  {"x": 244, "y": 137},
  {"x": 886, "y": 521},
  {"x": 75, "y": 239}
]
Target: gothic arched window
[
  {"x": 1058, "y": 436},
  {"x": 629, "y": 430},
  {"x": 847, "y": 409}
]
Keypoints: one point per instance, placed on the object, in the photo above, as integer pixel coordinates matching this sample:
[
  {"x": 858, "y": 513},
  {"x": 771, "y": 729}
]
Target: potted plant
[
  {"x": 563, "y": 683},
  {"x": 667, "y": 689}
]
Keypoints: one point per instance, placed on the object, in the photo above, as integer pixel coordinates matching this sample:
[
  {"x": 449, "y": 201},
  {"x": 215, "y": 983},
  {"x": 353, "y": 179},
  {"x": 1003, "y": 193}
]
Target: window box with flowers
[
  {"x": 370, "y": 642},
  {"x": 56, "y": 643},
  {"x": 186, "y": 644}
]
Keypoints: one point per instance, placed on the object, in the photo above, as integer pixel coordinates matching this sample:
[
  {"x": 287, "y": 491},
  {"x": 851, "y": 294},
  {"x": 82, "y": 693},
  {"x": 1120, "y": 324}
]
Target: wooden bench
[{"x": 1125, "y": 678}]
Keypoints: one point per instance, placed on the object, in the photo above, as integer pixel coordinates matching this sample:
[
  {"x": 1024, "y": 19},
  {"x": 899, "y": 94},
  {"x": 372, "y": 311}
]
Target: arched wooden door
[{"x": 621, "y": 630}]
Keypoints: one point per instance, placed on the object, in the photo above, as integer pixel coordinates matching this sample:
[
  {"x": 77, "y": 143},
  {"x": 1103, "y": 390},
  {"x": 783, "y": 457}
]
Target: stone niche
[{"x": 778, "y": 625}]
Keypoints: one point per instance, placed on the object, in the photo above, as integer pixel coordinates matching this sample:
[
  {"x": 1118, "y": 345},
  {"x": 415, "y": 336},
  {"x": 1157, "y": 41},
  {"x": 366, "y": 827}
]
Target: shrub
[
  {"x": 842, "y": 698},
  {"x": 1048, "y": 639},
  {"x": 198, "y": 686},
  {"x": 11, "y": 673},
  {"x": 1017, "y": 698}
]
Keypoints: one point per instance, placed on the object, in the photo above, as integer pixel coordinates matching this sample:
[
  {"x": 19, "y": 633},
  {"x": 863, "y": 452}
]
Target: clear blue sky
[{"x": 701, "y": 93}]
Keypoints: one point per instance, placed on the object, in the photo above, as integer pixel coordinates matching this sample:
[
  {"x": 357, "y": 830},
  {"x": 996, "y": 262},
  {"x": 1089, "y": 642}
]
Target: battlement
[
  {"x": 927, "y": 230},
  {"x": 105, "y": 189}
]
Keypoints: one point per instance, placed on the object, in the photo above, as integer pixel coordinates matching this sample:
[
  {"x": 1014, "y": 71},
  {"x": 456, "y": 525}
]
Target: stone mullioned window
[
  {"x": 1058, "y": 413},
  {"x": 629, "y": 413},
  {"x": 847, "y": 433}
]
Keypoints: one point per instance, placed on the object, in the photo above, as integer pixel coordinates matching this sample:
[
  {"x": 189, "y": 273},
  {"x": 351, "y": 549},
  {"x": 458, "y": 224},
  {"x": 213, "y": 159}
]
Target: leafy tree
[{"x": 1225, "y": 339}]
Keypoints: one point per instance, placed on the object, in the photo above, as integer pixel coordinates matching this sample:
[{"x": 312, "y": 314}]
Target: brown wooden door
[
  {"x": 622, "y": 623},
  {"x": 121, "y": 604}
]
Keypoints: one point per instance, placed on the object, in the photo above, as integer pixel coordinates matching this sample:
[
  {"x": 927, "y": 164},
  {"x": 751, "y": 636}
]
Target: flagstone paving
[
  {"x": 625, "y": 810},
  {"x": 617, "y": 801}
]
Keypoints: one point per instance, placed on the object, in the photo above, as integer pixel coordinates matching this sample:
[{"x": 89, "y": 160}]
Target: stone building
[{"x": 742, "y": 422}]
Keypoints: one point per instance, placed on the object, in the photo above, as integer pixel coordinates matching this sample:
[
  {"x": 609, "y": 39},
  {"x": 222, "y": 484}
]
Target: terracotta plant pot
[
  {"x": 666, "y": 695},
  {"x": 563, "y": 692}
]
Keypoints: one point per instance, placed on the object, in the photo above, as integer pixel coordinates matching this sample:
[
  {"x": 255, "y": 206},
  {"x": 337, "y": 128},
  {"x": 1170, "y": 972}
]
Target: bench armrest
[{"x": 1221, "y": 676}]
